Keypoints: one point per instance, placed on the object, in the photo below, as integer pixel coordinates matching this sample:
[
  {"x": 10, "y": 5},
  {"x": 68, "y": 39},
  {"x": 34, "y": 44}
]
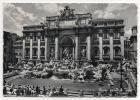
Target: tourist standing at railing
[
  {"x": 22, "y": 91},
  {"x": 4, "y": 83},
  {"x": 49, "y": 89},
  {"x": 54, "y": 90},
  {"x": 61, "y": 90},
  {"x": 30, "y": 90},
  {"x": 44, "y": 90},
  {"x": 51, "y": 92},
  {"x": 12, "y": 89},
  {"x": 4, "y": 90},
  {"x": 37, "y": 89},
  {"x": 18, "y": 91},
  {"x": 33, "y": 91},
  {"x": 27, "y": 91}
]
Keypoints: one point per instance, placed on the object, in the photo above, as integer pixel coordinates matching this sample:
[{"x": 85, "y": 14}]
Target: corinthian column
[
  {"x": 111, "y": 46},
  {"x": 100, "y": 47},
  {"x": 46, "y": 48},
  {"x": 73, "y": 53},
  {"x": 56, "y": 48},
  {"x": 31, "y": 47},
  {"x": 23, "y": 49},
  {"x": 122, "y": 45},
  {"x": 38, "y": 42},
  {"x": 88, "y": 47},
  {"x": 76, "y": 47}
]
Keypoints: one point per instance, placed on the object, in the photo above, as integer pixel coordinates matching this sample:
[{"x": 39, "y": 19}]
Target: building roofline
[
  {"x": 105, "y": 19},
  {"x": 9, "y": 32},
  {"x": 30, "y": 26}
]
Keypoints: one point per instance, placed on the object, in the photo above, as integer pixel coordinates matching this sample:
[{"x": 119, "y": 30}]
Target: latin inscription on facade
[{"x": 67, "y": 23}]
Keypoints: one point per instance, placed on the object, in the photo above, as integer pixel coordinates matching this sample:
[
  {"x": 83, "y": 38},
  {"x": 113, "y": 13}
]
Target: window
[
  {"x": 83, "y": 39},
  {"x": 111, "y": 23},
  {"x": 94, "y": 39},
  {"x": 27, "y": 51},
  {"x": 105, "y": 24},
  {"x": 106, "y": 51},
  {"x": 120, "y": 22},
  {"x": 28, "y": 38},
  {"x": 100, "y": 24},
  {"x": 42, "y": 37},
  {"x": 116, "y": 35},
  {"x": 52, "y": 39},
  {"x": 96, "y": 51},
  {"x": 105, "y": 36},
  {"x": 116, "y": 23},
  {"x": 96, "y": 36},
  {"x": 117, "y": 51},
  {"x": 42, "y": 51},
  {"x": 34, "y": 51},
  {"x": 83, "y": 21},
  {"x": 52, "y": 23},
  {"x": 35, "y": 38}
]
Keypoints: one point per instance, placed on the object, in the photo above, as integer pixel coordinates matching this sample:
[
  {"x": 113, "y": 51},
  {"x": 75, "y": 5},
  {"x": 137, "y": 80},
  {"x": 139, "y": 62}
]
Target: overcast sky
[{"x": 15, "y": 16}]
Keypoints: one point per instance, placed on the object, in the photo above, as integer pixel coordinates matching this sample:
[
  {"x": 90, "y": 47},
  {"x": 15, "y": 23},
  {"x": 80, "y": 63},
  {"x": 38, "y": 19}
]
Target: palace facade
[
  {"x": 18, "y": 50},
  {"x": 73, "y": 36}
]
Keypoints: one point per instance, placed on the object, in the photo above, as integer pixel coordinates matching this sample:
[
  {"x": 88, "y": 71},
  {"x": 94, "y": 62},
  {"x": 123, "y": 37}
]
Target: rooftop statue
[{"x": 67, "y": 12}]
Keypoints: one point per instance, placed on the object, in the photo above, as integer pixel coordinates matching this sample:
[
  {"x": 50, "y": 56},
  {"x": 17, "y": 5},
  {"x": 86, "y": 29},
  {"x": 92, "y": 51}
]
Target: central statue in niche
[
  {"x": 83, "y": 52},
  {"x": 67, "y": 54}
]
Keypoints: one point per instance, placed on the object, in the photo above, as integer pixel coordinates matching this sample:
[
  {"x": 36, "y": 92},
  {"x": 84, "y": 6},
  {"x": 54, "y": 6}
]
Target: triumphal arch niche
[{"x": 71, "y": 33}]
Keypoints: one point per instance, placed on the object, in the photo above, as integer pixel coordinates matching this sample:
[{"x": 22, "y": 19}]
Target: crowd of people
[
  {"x": 33, "y": 90},
  {"x": 54, "y": 91}
]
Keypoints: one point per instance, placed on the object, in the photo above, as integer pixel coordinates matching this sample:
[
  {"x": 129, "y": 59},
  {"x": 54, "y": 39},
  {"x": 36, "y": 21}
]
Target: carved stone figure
[
  {"x": 83, "y": 52},
  {"x": 52, "y": 53},
  {"x": 66, "y": 53},
  {"x": 67, "y": 12}
]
